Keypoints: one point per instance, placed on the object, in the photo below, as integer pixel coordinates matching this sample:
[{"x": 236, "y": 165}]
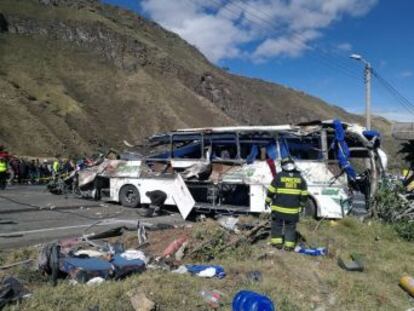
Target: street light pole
[
  {"x": 367, "y": 72},
  {"x": 367, "y": 80}
]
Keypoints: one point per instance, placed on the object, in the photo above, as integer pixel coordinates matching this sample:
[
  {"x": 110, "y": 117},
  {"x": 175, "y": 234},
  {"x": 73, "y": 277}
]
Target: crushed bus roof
[
  {"x": 259, "y": 128},
  {"x": 241, "y": 128}
]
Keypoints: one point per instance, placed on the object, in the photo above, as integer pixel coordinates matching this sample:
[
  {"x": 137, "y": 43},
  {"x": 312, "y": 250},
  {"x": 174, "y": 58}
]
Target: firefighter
[
  {"x": 286, "y": 195},
  {"x": 3, "y": 172}
]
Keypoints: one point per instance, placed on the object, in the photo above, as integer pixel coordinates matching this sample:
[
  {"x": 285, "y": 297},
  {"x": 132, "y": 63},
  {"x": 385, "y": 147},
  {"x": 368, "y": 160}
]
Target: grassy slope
[
  {"x": 293, "y": 281},
  {"x": 84, "y": 100}
]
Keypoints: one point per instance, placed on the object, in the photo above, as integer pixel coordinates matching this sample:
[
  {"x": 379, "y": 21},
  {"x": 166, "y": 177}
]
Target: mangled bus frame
[{"x": 230, "y": 168}]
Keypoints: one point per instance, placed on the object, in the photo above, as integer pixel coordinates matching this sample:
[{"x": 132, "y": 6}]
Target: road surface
[{"x": 31, "y": 215}]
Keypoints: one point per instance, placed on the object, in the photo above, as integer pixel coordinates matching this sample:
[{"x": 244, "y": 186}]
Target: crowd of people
[
  {"x": 34, "y": 171},
  {"x": 30, "y": 171}
]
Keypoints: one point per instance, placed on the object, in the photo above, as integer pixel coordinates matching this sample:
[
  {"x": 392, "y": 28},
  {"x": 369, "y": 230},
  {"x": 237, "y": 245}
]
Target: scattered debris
[
  {"x": 228, "y": 222},
  {"x": 18, "y": 263},
  {"x": 141, "y": 233},
  {"x": 212, "y": 297},
  {"x": 132, "y": 254},
  {"x": 319, "y": 251},
  {"x": 84, "y": 269},
  {"x": 205, "y": 271},
  {"x": 12, "y": 290},
  {"x": 179, "y": 255},
  {"x": 254, "y": 276},
  {"x": 355, "y": 264},
  {"x": 107, "y": 234},
  {"x": 95, "y": 281},
  {"x": 174, "y": 246},
  {"x": 140, "y": 302},
  {"x": 89, "y": 253},
  {"x": 71, "y": 258},
  {"x": 67, "y": 245}
]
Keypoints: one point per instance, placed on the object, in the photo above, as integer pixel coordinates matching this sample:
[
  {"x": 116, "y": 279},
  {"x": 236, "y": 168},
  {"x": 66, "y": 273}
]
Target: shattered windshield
[{"x": 303, "y": 147}]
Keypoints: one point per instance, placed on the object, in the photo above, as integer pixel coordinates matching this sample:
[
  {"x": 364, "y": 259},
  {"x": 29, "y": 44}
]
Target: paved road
[{"x": 31, "y": 215}]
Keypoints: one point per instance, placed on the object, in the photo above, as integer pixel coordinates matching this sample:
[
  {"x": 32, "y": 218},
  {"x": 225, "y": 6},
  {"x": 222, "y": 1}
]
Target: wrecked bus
[{"x": 228, "y": 169}]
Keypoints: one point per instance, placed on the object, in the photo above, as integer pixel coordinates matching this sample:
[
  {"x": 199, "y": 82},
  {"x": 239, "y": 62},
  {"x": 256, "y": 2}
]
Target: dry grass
[{"x": 293, "y": 281}]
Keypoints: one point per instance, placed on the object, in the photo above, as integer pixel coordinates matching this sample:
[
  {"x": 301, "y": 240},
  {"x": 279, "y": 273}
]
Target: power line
[
  {"x": 260, "y": 21},
  {"x": 401, "y": 99},
  {"x": 300, "y": 41},
  {"x": 389, "y": 92},
  {"x": 258, "y": 18},
  {"x": 297, "y": 38},
  {"x": 295, "y": 34}
]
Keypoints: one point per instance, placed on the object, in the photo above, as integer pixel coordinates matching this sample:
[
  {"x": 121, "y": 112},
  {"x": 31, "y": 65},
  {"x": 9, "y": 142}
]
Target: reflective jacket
[
  {"x": 287, "y": 194},
  {"x": 3, "y": 166},
  {"x": 56, "y": 166}
]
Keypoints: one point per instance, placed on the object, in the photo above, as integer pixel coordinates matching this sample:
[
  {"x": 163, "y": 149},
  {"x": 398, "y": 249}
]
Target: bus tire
[{"x": 129, "y": 196}]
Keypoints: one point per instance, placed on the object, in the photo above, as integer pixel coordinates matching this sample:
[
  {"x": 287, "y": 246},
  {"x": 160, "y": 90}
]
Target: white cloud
[
  {"x": 220, "y": 28},
  {"x": 214, "y": 34},
  {"x": 406, "y": 74},
  {"x": 345, "y": 47},
  {"x": 289, "y": 45}
]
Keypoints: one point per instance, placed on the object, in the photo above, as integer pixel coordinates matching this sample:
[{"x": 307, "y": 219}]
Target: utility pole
[
  {"x": 367, "y": 80},
  {"x": 367, "y": 72}
]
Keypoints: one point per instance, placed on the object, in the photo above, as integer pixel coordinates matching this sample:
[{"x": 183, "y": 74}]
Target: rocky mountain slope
[{"x": 76, "y": 75}]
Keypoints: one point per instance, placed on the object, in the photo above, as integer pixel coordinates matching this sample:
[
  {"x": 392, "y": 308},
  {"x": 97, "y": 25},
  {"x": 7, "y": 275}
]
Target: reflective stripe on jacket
[
  {"x": 56, "y": 166},
  {"x": 287, "y": 193},
  {"x": 3, "y": 166}
]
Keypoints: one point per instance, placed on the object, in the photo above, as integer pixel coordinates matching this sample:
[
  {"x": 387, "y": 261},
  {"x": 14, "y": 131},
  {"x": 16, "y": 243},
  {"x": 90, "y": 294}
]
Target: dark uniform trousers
[
  {"x": 286, "y": 195},
  {"x": 3, "y": 174}
]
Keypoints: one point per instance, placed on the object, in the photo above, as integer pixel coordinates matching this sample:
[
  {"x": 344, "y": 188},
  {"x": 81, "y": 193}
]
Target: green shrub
[
  {"x": 390, "y": 205},
  {"x": 405, "y": 229}
]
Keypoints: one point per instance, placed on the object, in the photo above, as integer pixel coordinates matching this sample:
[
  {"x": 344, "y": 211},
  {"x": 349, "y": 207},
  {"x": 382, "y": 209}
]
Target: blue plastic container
[{"x": 251, "y": 301}]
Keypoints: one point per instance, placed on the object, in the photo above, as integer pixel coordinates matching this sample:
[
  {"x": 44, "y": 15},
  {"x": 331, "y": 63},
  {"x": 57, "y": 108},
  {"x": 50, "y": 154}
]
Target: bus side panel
[{"x": 257, "y": 198}]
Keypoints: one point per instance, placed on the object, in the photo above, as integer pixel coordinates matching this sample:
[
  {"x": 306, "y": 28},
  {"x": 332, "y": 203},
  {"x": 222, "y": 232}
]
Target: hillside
[{"x": 75, "y": 75}]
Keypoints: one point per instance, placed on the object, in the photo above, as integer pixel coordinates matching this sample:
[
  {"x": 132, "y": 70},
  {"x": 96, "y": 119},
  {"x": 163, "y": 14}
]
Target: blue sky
[{"x": 302, "y": 44}]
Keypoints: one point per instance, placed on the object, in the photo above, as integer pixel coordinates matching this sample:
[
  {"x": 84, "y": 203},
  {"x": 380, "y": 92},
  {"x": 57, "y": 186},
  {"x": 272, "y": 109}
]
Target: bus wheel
[
  {"x": 310, "y": 209},
  {"x": 129, "y": 196}
]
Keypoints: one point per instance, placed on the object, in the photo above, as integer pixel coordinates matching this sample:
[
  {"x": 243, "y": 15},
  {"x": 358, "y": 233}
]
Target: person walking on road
[{"x": 286, "y": 195}]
